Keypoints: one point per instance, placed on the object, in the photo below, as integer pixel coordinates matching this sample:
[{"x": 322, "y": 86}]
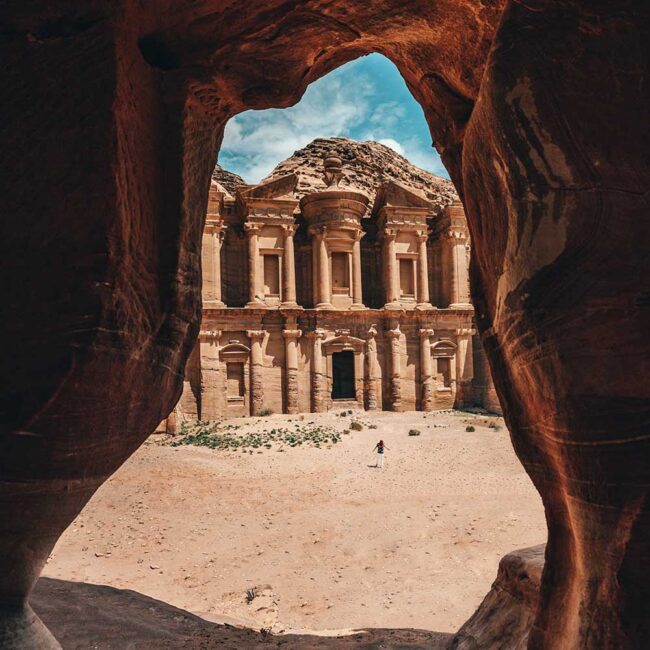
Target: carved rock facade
[{"x": 384, "y": 283}]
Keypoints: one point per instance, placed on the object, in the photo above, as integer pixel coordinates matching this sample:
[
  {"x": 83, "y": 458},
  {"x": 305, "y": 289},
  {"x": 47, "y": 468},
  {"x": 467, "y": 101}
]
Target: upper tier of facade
[{"x": 322, "y": 252}]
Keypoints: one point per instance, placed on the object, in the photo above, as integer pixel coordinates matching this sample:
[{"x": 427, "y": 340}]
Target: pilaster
[
  {"x": 426, "y": 376},
  {"x": 256, "y": 370},
  {"x": 291, "y": 337}
]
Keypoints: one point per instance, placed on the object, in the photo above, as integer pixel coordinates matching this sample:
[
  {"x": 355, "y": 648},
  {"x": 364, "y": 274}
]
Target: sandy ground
[{"x": 324, "y": 540}]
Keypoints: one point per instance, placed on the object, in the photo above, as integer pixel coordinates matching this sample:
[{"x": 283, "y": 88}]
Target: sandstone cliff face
[
  {"x": 227, "y": 179},
  {"x": 366, "y": 165},
  {"x": 539, "y": 110}
]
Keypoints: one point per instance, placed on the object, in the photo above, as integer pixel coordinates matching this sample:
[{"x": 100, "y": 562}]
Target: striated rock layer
[
  {"x": 366, "y": 165},
  {"x": 539, "y": 110},
  {"x": 505, "y": 617}
]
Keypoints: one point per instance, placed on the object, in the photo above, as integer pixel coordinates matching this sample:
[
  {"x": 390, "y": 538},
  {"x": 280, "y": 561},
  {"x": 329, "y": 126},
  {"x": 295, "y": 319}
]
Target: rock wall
[
  {"x": 505, "y": 617},
  {"x": 114, "y": 114}
]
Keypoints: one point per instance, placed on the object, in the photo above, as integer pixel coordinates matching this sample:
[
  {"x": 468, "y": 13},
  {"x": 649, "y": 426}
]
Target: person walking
[{"x": 380, "y": 447}]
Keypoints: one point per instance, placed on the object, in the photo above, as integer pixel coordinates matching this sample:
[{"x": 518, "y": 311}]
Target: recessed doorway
[{"x": 343, "y": 375}]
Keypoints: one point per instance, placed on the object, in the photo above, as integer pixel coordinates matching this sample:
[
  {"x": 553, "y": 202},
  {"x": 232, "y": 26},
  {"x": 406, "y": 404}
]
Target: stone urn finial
[{"x": 333, "y": 170}]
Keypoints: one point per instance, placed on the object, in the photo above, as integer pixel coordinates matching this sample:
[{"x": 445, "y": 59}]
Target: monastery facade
[{"x": 329, "y": 301}]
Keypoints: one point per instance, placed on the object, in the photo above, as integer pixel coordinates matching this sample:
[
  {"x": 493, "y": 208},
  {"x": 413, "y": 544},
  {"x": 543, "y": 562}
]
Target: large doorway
[{"x": 343, "y": 375}]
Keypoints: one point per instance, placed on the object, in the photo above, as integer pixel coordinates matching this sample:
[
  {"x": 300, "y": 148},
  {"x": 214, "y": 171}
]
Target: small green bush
[
  {"x": 414, "y": 432},
  {"x": 469, "y": 428},
  {"x": 356, "y": 426},
  {"x": 265, "y": 412}
]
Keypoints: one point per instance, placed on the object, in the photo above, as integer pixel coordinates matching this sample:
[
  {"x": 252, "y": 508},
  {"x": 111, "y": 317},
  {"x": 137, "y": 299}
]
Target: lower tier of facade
[{"x": 256, "y": 361}]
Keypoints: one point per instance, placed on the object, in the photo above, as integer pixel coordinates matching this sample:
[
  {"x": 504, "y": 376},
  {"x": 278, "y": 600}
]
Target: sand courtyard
[{"x": 291, "y": 528}]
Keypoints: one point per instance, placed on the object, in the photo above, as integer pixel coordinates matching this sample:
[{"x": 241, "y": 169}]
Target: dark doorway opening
[{"x": 343, "y": 375}]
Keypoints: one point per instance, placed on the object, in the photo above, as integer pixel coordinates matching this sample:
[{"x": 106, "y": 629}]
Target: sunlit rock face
[{"x": 115, "y": 114}]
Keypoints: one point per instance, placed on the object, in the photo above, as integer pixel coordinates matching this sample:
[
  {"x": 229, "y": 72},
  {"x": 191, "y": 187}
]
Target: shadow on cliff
[{"x": 83, "y": 616}]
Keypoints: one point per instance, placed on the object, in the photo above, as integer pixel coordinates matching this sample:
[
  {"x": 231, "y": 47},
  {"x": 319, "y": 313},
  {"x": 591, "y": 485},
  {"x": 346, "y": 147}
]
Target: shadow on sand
[{"x": 83, "y": 616}]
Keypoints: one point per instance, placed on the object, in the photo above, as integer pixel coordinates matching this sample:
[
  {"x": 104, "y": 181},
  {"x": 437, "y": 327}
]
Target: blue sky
[{"x": 365, "y": 99}]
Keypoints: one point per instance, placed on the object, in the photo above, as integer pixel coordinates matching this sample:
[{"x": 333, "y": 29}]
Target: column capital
[
  {"x": 372, "y": 332},
  {"x": 425, "y": 333},
  {"x": 358, "y": 234},
  {"x": 422, "y": 236},
  {"x": 458, "y": 233},
  {"x": 255, "y": 334},
  {"x": 209, "y": 335},
  {"x": 465, "y": 331},
  {"x": 389, "y": 234},
  {"x": 316, "y": 334},
  {"x": 215, "y": 227},
  {"x": 292, "y": 334},
  {"x": 320, "y": 232},
  {"x": 289, "y": 229},
  {"x": 252, "y": 228},
  {"x": 394, "y": 333}
]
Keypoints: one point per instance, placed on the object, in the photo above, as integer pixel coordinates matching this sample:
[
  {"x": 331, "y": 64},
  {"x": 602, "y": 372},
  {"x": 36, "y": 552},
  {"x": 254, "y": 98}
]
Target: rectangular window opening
[
  {"x": 235, "y": 380},
  {"x": 341, "y": 273},
  {"x": 407, "y": 277},
  {"x": 271, "y": 275}
]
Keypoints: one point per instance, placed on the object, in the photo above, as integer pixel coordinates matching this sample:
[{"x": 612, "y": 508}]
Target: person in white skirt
[{"x": 381, "y": 448}]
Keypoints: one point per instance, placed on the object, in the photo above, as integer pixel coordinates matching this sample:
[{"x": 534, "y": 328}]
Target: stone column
[
  {"x": 318, "y": 383},
  {"x": 252, "y": 230},
  {"x": 372, "y": 376},
  {"x": 390, "y": 270},
  {"x": 291, "y": 337},
  {"x": 256, "y": 396},
  {"x": 464, "y": 366},
  {"x": 289, "y": 269},
  {"x": 211, "y": 251},
  {"x": 211, "y": 381},
  {"x": 324, "y": 284},
  {"x": 357, "y": 291},
  {"x": 426, "y": 376},
  {"x": 459, "y": 272},
  {"x": 393, "y": 336},
  {"x": 423, "y": 273}
]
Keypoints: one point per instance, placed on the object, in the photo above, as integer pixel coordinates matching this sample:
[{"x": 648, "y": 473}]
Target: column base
[
  {"x": 357, "y": 306},
  {"x": 255, "y": 304},
  {"x": 324, "y": 305},
  {"x": 213, "y": 304},
  {"x": 394, "y": 306},
  {"x": 290, "y": 305},
  {"x": 423, "y": 306},
  {"x": 460, "y": 305}
]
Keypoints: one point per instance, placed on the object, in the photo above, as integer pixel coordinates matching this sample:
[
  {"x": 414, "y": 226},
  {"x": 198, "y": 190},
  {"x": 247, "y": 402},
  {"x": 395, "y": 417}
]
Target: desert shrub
[
  {"x": 251, "y": 595},
  {"x": 372, "y": 426},
  {"x": 495, "y": 426},
  {"x": 414, "y": 432},
  {"x": 469, "y": 428},
  {"x": 265, "y": 412},
  {"x": 356, "y": 426}
]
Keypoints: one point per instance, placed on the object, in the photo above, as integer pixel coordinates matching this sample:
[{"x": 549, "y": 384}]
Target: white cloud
[
  {"x": 255, "y": 141},
  {"x": 393, "y": 144}
]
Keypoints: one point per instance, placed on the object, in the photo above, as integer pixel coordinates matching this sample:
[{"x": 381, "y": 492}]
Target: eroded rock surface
[
  {"x": 505, "y": 617},
  {"x": 366, "y": 165},
  {"x": 114, "y": 116}
]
